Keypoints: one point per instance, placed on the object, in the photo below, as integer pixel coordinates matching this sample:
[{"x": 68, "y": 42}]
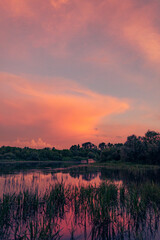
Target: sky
[{"x": 73, "y": 71}]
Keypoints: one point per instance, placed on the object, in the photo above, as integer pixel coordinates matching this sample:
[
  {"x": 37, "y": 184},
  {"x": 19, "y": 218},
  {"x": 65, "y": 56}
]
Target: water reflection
[
  {"x": 42, "y": 181},
  {"x": 71, "y": 212},
  {"x": 75, "y": 203}
]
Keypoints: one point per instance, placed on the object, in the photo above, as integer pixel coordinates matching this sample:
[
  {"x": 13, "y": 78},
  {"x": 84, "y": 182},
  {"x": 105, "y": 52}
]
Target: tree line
[{"x": 142, "y": 149}]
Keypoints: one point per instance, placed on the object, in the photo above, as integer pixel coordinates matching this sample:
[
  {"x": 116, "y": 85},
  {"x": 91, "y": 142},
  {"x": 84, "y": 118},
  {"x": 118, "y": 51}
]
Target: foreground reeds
[{"x": 105, "y": 212}]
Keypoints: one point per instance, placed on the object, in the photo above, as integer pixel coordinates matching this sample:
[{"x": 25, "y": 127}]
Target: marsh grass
[{"x": 109, "y": 212}]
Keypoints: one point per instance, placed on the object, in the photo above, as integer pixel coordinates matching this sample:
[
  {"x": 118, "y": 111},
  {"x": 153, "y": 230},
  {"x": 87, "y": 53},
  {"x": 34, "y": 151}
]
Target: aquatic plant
[{"x": 108, "y": 211}]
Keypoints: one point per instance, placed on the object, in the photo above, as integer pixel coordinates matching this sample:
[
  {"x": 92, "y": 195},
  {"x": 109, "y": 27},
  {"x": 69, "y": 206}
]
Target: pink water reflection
[
  {"x": 72, "y": 225},
  {"x": 40, "y": 181}
]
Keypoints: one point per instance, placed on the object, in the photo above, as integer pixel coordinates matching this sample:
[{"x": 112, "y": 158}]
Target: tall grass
[{"x": 109, "y": 212}]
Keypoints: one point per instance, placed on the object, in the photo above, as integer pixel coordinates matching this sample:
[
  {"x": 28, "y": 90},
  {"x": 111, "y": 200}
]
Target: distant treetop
[{"x": 151, "y": 134}]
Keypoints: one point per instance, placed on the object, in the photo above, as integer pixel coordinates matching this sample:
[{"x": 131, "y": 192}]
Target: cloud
[
  {"x": 77, "y": 31},
  {"x": 68, "y": 112},
  {"x": 142, "y": 33},
  {"x": 111, "y": 47},
  {"x": 56, "y": 25},
  {"x": 58, "y": 3},
  {"x": 17, "y": 8},
  {"x": 39, "y": 143},
  {"x": 33, "y": 143}
]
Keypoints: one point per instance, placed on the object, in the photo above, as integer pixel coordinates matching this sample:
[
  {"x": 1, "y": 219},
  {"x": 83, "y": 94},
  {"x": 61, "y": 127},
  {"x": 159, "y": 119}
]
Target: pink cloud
[
  {"x": 72, "y": 36},
  {"x": 39, "y": 143},
  {"x": 57, "y": 24},
  {"x": 70, "y": 112}
]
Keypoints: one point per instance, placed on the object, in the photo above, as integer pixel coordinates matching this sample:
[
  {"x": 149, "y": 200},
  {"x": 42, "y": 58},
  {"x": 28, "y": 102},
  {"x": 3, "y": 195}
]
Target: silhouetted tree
[
  {"x": 89, "y": 145},
  {"x": 102, "y": 146}
]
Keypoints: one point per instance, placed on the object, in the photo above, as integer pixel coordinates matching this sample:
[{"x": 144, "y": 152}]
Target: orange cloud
[
  {"x": 118, "y": 43},
  {"x": 72, "y": 111},
  {"x": 58, "y": 3},
  {"x": 54, "y": 25},
  {"x": 142, "y": 33},
  {"x": 17, "y": 8}
]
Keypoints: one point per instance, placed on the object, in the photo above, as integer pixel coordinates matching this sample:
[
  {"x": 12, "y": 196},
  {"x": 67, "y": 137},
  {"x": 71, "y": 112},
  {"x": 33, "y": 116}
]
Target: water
[{"x": 83, "y": 216}]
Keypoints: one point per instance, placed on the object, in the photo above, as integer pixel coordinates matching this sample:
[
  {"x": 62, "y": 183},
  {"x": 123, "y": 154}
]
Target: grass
[
  {"x": 108, "y": 211},
  {"x": 124, "y": 165}
]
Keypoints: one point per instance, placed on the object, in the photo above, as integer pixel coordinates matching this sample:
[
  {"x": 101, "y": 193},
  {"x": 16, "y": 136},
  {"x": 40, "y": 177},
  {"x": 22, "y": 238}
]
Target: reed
[{"x": 111, "y": 212}]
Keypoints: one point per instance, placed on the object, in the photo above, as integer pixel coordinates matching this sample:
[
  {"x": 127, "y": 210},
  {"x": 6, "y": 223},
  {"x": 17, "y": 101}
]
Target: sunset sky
[{"x": 78, "y": 70}]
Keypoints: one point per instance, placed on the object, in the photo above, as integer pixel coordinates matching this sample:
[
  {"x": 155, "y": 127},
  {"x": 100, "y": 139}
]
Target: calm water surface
[{"x": 81, "y": 224}]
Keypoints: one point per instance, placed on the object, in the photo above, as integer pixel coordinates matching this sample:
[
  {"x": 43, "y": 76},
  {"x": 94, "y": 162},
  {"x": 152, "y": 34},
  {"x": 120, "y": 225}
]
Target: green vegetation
[
  {"x": 108, "y": 211},
  {"x": 138, "y": 150}
]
